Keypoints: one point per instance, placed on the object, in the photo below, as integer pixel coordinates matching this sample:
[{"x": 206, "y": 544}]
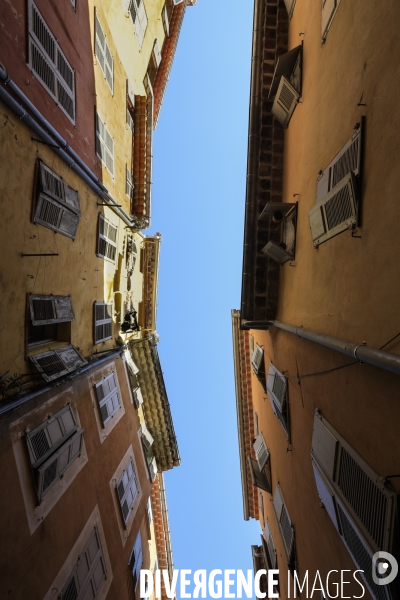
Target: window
[
  {"x": 108, "y": 397},
  {"x": 102, "y": 321},
  {"x": 130, "y": 106},
  {"x": 127, "y": 490},
  {"x": 103, "y": 54},
  {"x": 147, "y": 443},
  {"x": 89, "y": 573},
  {"x": 277, "y": 391},
  {"x": 49, "y": 64},
  {"x": 107, "y": 241},
  {"x": 286, "y": 85},
  {"x": 357, "y": 500},
  {"x": 338, "y": 192},
  {"x": 59, "y": 362},
  {"x": 271, "y": 551},
  {"x": 139, "y": 19},
  {"x": 53, "y": 446},
  {"x": 284, "y": 523},
  {"x": 129, "y": 183},
  {"x": 57, "y": 204},
  {"x": 45, "y": 313},
  {"x": 136, "y": 559},
  {"x": 104, "y": 145}
]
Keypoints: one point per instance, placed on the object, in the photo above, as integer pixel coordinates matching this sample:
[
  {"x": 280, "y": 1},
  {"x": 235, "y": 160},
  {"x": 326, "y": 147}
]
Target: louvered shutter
[
  {"x": 100, "y": 44},
  {"x": 65, "y": 85},
  {"x": 104, "y": 144},
  {"x": 128, "y": 183},
  {"x": 147, "y": 438},
  {"x": 58, "y": 362},
  {"x": 270, "y": 545},
  {"x": 108, "y": 397},
  {"x": 127, "y": 490},
  {"x": 107, "y": 246},
  {"x": 328, "y": 10},
  {"x": 257, "y": 358},
  {"x": 258, "y": 478},
  {"x": 102, "y": 321},
  {"x": 261, "y": 451},
  {"x": 89, "y": 573},
  {"x": 50, "y": 434},
  {"x": 284, "y": 522},
  {"x": 335, "y": 213},
  {"x": 142, "y": 17},
  {"x": 157, "y": 53},
  {"x": 276, "y": 386},
  {"x": 136, "y": 559},
  {"x": 285, "y": 102},
  {"x": 290, "y": 7},
  {"x": 276, "y": 252},
  {"x": 175, "y": 2}
]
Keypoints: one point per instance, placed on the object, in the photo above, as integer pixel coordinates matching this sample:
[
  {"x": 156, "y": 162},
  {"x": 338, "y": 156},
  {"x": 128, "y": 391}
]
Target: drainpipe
[
  {"x": 39, "y": 128},
  {"x": 377, "y": 358},
  {"x": 167, "y": 532}
]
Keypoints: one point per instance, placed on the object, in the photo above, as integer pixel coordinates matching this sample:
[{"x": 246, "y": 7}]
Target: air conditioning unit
[{"x": 277, "y": 253}]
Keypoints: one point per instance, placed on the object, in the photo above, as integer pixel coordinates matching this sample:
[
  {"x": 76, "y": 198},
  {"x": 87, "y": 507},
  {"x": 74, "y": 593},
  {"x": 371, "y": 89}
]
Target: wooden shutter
[
  {"x": 137, "y": 397},
  {"x": 50, "y": 309},
  {"x": 276, "y": 386},
  {"x": 149, "y": 511},
  {"x": 51, "y": 434},
  {"x": 109, "y": 63},
  {"x": 127, "y": 490},
  {"x": 89, "y": 573},
  {"x": 258, "y": 478},
  {"x": 142, "y": 18},
  {"x": 56, "y": 465},
  {"x": 107, "y": 241},
  {"x": 147, "y": 438},
  {"x": 347, "y": 160},
  {"x": 65, "y": 85},
  {"x": 284, "y": 522},
  {"x": 335, "y": 213},
  {"x": 157, "y": 53},
  {"x": 152, "y": 469},
  {"x": 128, "y": 183},
  {"x": 104, "y": 144},
  {"x": 290, "y": 7},
  {"x": 102, "y": 321},
  {"x": 108, "y": 397},
  {"x": 103, "y": 54},
  {"x": 257, "y": 358},
  {"x": 165, "y": 20},
  {"x": 136, "y": 560},
  {"x": 326, "y": 495},
  {"x": 285, "y": 102},
  {"x": 328, "y": 10},
  {"x": 55, "y": 363},
  {"x": 270, "y": 545},
  {"x": 261, "y": 451},
  {"x": 277, "y": 253}
]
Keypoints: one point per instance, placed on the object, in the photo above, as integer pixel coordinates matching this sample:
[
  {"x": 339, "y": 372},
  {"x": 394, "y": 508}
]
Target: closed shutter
[
  {"x": 142, "y": 18},
  {"x": 290, "y": 7},
  {"x": 261, "y": 451},
  {"x": 49, "y": 63},
  {"x": 103, "y": 54},
  {"x": 128, "y": 183},
  {"x": 102, "y": 321},
  {"x": 50, "y": 309},
  {"x": 104, "y": 144},
  {"x": 257, "y": 359},
  {"x": 136, "y": 559},
  {"x": 335, "y": 213},
  {"x": 347, "y": 160},
  {"x": 328, "y": 10},
  {"x": 57, "y": 204},
  {"x": 108, "y": 397},
  {"x": 285, "y": 102},
  {"x": 284, "y": 522},
  {"x": 56, "y": 465},
  {"x": 270, "y": 545},
  {"x": 58, "y": 362},
  {"x": 157, "y": 53},
  {"x": 276, "y": 252},
  {"x": 50, "y": 434},
  {"x": 127, "y": 490},
  {"x": 89, "y": 573},
  {"x": 107, "y": 241}
]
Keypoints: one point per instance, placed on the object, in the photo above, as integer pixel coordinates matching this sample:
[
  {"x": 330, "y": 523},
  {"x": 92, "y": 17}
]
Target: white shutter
[
  {"x": 153, "y": 469},
  {"x": 336, "y": 212},
  {"x": 290, "y": 7},
  {"x": 259, "y": 478},
  {"x": 136, "y": 559},
  {"x": 50, "y": 309},
  {"x": 285, "y": 102},
  {"x": 165, "y": 20},
  {"x": 102, "y": 321},
  {"x": 138, "y": 397},
  {"x": 104, "y": 144},
  {"x": 56, "y": 363},
  {"x": 276, "y": 252},
  {"x": 276, "y": 386},
  {"x": 88, "y": 576},
  {"x": 103, "y": 54},
  {"x": 257, "y": 358},
  {"x": 128, "y": 183},
  {"x": 278, "y": 502},
  {"x": 108, "y": 397},
  {"x": 130, "y": 92},
  {"x": 270, "y": 544},
  {"x": 284, "y": 522},
  {"x": 177, "y": 2},
  {"x": 107, "y": 246},
  {"x": 51, "y": 433},
  {"x": 127, "y": 490},
  {"x": 328, "y": 10},
  {"x": 142, "y": 17},
  {"x": 157, "y": 53},
  {"x": 261, "y": 451},
  {"x": 147, "y": 438}
]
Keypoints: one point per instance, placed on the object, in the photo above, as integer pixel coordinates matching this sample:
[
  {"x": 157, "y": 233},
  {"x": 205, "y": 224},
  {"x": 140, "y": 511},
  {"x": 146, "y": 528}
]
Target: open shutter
[
  {"x": 127, "y": 490},
  {"x": 157, "y": 53},
  {"x": 285, "y": 102},
  {"x": 56, "y": 465},
  {"x": 335, "y": 213},
  {"x": 328, "y": 10},
  {"x": 290, "y": 7},
  {"x": 104, "y": 144},
  {"x": 261, "y": 451},
  {"x": 258, "y": 478},
  {"x": 277, "y": 253},
  {"x": 257, "y": 358},
  {"x": 276, "y": 386},
  {"x": 108, "y": 397},
  {"x": 153, "y": 469},
  {"x": 326, "y": 495},
  {"x": 147, "y": 438},
  {"x": 51, "y": 433},
  {"x": 58, "y": 362},
  {"x": 89, "y": 573},
  {"x": 165, "y": 20},
  {"x": 51, "y": 184},
  {"x": 137, "y": 397}
]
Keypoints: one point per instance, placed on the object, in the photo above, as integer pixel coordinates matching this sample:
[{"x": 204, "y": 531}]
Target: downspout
[
  {"x": 11, "y": 405},
  {"x": 167, "y": 532},
  {"x": 62, "y": 153},
  {"x": 377, "y": 358},
  {"x": 253, "y": 152}
]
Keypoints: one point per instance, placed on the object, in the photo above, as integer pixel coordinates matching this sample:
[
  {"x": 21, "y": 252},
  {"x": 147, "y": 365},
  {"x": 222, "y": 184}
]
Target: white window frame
[
  {"x": 127, "y": 490},
  {"x": 109, "y": 399},
  {"x": 47, "y": 61},
  {"x": 110, "y": 251},
  {"x": 103, "y": 54},
  {"x": 108, "y": 309},
  {"x": 104, "y": 145}
]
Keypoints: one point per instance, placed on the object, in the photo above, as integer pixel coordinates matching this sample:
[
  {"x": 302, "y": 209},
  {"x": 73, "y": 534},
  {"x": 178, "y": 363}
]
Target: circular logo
[{"x": 384, "y": 568}]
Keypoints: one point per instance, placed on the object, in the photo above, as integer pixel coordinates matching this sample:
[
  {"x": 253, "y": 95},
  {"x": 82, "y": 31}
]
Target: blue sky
[{"x": 200, "y": 149}]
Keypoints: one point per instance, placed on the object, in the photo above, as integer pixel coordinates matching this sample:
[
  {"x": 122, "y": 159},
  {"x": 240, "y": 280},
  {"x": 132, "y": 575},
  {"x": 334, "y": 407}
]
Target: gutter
[
  {"x": 11, "y": 405},
  {"x": 167, "y": 531},
  {"x": 46, "y": 132},
  {"x": 361, "y": 352},
  {"x": 239, "y": 412},
  {"x": 253, "y": 153}
]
